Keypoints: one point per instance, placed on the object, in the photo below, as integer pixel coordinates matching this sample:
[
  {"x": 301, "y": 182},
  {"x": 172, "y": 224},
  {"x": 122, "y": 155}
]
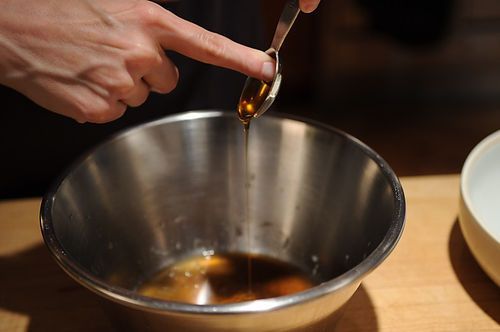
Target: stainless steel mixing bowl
[{"x": 319, "y": 199}]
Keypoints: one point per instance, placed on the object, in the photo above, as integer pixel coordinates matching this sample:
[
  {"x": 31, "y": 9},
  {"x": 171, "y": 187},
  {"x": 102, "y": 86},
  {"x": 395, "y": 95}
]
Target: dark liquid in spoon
[{"x": 254, "y": 94}]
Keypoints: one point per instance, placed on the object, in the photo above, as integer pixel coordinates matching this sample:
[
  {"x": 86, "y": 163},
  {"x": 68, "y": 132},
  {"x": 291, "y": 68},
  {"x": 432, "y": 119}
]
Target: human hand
[
  {"x": 308, "y": 6},
  {"x": 90, "y": 59}
]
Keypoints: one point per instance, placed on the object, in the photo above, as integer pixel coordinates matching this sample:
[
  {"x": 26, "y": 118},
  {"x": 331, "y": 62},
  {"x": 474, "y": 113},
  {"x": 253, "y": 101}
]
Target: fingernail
[{"x": 268, "y": 69}]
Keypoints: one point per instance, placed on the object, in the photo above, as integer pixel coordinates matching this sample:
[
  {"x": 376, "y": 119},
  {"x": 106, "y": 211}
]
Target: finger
[
  {"x": 116, "y": 110},
  {"x": 138, "y": 95},
  {"x": 197, "y": 43},
  {"x": 308, "y": 6},
  {"x": 101, "y": 111},
  {"x": 164, "y": 77}
]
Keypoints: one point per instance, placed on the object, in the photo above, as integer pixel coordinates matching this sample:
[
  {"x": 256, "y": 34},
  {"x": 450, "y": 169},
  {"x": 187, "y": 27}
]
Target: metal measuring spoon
[{"x": 257, "y": 96}]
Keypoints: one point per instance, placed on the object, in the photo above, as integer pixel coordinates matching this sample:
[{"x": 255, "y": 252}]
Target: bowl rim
[
  {"x": 472, "y": 159},
  {"x": 134, "y": 300}
]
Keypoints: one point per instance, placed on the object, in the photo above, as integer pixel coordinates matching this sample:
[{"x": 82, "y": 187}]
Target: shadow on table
[
  {"x": 477, "y": 284},
  {"x": 359, "y": 314},
  {"x": 31, "y": 284}
]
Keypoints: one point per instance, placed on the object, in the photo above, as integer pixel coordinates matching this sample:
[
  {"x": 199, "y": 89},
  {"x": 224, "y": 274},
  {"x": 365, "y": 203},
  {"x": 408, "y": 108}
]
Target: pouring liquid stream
[
  {"x": 252, "y": 98},
  {"x": 246, "y": 132}
]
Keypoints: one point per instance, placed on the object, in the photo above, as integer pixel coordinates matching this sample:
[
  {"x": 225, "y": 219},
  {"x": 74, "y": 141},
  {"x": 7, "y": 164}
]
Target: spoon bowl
[{"x": 257, "y": 95}]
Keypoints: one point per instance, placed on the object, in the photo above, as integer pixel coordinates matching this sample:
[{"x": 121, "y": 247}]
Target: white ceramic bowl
[{"x": 480, "y": 204}]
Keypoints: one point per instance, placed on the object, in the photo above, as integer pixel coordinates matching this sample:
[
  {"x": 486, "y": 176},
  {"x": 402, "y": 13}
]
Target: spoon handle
[{"x": 288, "y": 16}]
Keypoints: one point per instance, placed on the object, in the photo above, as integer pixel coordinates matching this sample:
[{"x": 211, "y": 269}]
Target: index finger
[{"x": 197, "y": 43}]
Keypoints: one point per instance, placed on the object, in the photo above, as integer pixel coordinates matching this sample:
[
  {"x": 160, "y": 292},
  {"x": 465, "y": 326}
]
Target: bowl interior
[
  {"x": 482, "y": 184},
  {"x": 317, "y": 198}
]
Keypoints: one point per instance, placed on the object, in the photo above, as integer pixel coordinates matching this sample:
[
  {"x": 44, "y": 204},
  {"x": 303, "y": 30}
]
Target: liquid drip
[
  {"x": 253, "y": 96},
  {"x": 221, "y": 279},
  {"x": 246, "y": 133}
]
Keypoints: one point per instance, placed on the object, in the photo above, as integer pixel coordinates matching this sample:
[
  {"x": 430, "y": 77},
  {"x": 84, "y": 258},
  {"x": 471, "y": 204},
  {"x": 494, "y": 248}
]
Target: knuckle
[
  {"x": 96, "y": 117},
  {"x": 167, "y": 81},
  {"x": 212, "y": 44},
  {"x": 117, "y": 112},
  {"x": 135, "y": 103},
  {"x": 122, "y": 85},
  {"x": 147, "y": 12},
  {"x": 99, "y": 112},
  {"x": 143, "y": 55},
  {"x": 138, "y": 100},
  {"x": 113, "y": 81},
  {"x": 167, "y": 87},
  {"x": 150, "y": 57},
  {"x": 88, "y": 107},
  {"x": 142, "y": 100},
  {"x": 142, "y": 50},
  {"x": 172, "y": 83},
  {"x": 155, "y": 59}
]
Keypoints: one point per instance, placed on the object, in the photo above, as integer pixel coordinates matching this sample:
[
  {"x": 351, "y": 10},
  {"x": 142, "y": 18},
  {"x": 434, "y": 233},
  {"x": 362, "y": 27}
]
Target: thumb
[
  {"x": 197, "y": 43},
  {"x": 308, "y": 6}
]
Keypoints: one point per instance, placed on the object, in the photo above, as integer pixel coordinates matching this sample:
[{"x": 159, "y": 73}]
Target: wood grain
[{"x": 429, "y": 283}]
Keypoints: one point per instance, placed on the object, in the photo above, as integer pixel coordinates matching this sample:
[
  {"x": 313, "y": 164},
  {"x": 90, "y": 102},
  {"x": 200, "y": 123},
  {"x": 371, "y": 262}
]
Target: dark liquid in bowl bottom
[{"x": 219, "y": 279}]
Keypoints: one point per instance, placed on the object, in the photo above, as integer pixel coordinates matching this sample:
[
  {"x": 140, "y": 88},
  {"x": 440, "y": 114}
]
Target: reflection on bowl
[
  {"x": 173, "y": 189},
  {"x": 480, "y": 204}
]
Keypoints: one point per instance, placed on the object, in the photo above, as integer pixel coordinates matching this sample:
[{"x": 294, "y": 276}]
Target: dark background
[{"x": 418, "y": 81}]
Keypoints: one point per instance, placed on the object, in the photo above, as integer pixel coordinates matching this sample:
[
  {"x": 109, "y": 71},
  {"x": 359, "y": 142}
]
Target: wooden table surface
[{"x": 429, "y": 283}]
